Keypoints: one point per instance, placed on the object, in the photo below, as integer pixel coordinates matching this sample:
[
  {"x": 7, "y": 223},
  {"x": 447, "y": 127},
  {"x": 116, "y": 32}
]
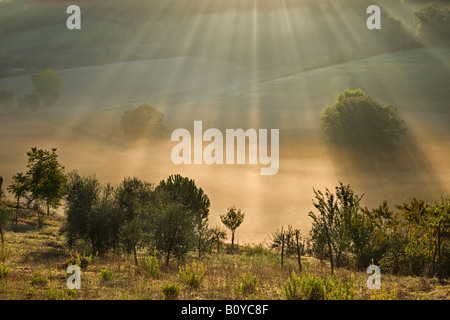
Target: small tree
[
  {"x": 142, "y": 121},
  {"x": 232, "y": 220},
  {"x": 360, "y": 122},
  {"x": 46, "y": 177},
  {"x": 47, "y": 85},
  {"x": 19, "y": 188},
  {"x": 218, "y": 234}
]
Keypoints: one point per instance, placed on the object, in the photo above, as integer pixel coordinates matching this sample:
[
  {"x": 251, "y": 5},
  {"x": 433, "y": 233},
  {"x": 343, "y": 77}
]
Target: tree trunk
[
  {"x": 17, "y": 213},
  {"x": 1, "y": 235},
  {"x": 298, "y": 254},
  {"x": 39, "y": 219},
  {"x": 232, "y": 239},
  {"x": 439, "y": 252},
  {"x": 135, "y": 256},
  {"x": 282, "y": 248},
  {"x": 48, "y": 208},
  {"x": 330, "y": 250}
]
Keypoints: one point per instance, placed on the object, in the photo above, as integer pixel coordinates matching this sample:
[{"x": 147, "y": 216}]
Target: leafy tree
[
  {"x": 333, "y": 223},
  {"x": 19, "y": 187},
  {"x": 133, "y": 197},
  {"x": 395, "y": 36},
  {"x": 433, "y": 24},
  {"x": 47, "y": 85},
  {"x": 181, "y": 212},
  {"x": 217, "y": 236},
  {"x": 142, "y": 121},
  {"x": 92, "y": 214},
  {"x": 83, "y": 194},
  {"x": 172, "y": 227},
  {"x": 46, "y": 177},
  {"x": 359, "y": 121},
  {"x": 232, "y": 220}
]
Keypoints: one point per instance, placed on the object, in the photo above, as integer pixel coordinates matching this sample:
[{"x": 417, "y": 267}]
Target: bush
[
  {"x": 54, "y": 294},
  {"x": 38, "y": 279},
  {"x": 192, "y": 275},
  {"x": 4, "y": 271},
  {"x": 82, "y": 261},
  {"x": 311, "y": 287},
  {"x": 152, "y": 265},
  {"x": 171, "y": 291},
  {"x": 106, "y": 275},
  {"x": 247, "y": 284},
  {"x": 360, "y": 122},
  {"x": 383, "y": 294},
  {"x": 142, "y": 121}
]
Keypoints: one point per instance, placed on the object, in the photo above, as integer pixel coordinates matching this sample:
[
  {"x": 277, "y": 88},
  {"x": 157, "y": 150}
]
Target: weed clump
[
  {"x": 171, "y": 291},
  {"x": 192, "y": 275},
  {"x": 247, "y": 284}
]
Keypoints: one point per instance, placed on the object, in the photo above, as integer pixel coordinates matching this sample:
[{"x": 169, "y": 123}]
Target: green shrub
[
  {"x": 4, "y": 271},
  {"x": 383, "y": 294},
  {"x": 106, "y": 275},
  {"x": 152, "y": 265},
  {"x": 82, "y": 261},
  {"x": 311, "y": 287},
  {"x": 171, "y": 291},
  {"x": 192, "y": 275},
  {"x": 38, "y": 278},
  {"x": 247, "y": 284},
  {"x": 54, "y": 294}
]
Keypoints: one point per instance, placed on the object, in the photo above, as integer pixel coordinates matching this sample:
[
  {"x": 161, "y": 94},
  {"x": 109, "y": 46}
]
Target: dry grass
[{"x": 31, "y": 252}]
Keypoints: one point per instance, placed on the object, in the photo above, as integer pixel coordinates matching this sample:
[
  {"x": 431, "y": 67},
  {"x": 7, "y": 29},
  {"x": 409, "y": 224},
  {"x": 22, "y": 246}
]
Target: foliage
[
  {"x": 54, "y": 293},
  {"x": 247, "y": 284},
  {"x": 4, "y": 271},
  {"x": 142, "y": 121},
  {"x": 395, "y": 36},
  {"x": 433, "y": 24},
  {"x": 171, "y": 291},
  {"x": 152, "y": 265},
  {"x": 179, "y": 209},
  {"x": 232, "y": 220},
  {"x": 288, "y": 237},
  {"x": 46, "y": 176},
  {"x": 47, "y": 85},
  {"x": 5, "y": 218},
  {"x": 106, "y": 275},
  {"x": 311, "y": 287},
  {"x": 82, "y": 261},
  {"x": 360, "y": 122},
  {"x": 192, "y": 275},
  {"x": 38, "y": 278},
  {"x": 333, "y": 223},
  {"x": 384, "y": 294},
  {"x": 91, "y": 213}
]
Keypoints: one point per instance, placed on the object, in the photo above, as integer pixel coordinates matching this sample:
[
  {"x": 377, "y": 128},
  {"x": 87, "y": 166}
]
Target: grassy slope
[{"x": 31, "y": 249}]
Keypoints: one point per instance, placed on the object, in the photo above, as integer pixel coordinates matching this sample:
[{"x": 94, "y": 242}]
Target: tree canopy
[{"x": 359, "y": 121}]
